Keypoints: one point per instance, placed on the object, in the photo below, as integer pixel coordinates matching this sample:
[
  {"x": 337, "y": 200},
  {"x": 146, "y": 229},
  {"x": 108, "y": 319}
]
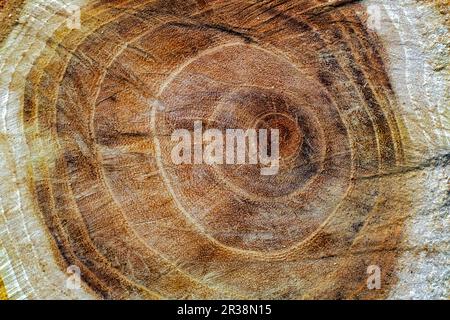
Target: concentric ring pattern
[{"x": 100, "y": 104}]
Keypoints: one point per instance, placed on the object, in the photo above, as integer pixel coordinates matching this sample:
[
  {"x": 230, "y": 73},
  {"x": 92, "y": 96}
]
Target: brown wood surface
[{"x": 85, "y": 141}]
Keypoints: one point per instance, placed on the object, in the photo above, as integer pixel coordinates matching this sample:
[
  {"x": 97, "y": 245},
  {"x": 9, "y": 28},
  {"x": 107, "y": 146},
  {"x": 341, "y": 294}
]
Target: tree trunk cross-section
[{"x": 91, "y": 91}]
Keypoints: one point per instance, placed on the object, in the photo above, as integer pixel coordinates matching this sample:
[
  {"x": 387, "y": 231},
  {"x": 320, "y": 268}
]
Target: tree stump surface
[{"x": 358, "y": 91}]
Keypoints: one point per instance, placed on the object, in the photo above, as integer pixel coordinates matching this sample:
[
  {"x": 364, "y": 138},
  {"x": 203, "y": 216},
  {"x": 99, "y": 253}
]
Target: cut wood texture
[{"x": 358, "y": 90}]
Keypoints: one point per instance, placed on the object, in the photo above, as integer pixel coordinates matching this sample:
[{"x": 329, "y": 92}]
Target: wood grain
[{"x": 87, "y": 116}]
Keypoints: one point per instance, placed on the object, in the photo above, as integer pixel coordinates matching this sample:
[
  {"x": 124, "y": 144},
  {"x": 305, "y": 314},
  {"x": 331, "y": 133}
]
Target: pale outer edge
[
  {"x": 26, "y": 259},
  {"x": 424, "y": 97},
  {"x": 21, "y": 278}
]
